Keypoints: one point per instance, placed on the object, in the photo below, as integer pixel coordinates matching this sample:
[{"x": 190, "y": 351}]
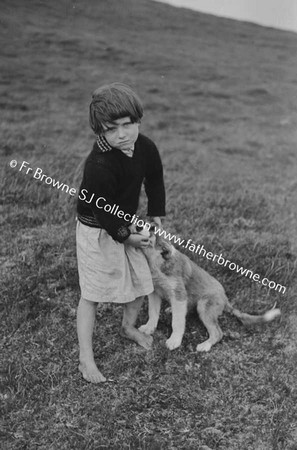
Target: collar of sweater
[{"x": 104, "y": 146}]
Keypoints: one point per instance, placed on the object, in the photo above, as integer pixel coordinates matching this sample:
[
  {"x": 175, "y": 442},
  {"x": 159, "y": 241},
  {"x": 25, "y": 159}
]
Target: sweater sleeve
[
  {"x": 101, "y": 181},
  {"x": 154, "y": 184}
]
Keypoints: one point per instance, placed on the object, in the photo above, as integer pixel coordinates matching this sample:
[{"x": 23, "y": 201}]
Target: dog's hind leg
[
  {"x": 179, "y": 312},
  {"x": 209, "y": 310},
  {"x": 154, "y": 313}
]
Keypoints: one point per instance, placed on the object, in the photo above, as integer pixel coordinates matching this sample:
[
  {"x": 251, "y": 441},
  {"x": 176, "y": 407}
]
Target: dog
[{"x": 185, "y": 285}]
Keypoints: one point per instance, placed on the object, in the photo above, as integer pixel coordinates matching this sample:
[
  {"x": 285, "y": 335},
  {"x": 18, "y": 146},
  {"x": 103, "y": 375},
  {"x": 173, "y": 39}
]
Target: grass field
[{"x": 220, "y": 102}]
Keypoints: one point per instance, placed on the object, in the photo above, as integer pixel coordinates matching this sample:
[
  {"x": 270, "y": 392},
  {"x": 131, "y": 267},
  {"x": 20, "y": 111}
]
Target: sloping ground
[{"x": 220, "y": 102}]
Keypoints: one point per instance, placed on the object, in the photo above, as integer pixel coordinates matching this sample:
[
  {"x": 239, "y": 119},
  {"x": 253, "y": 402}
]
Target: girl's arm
[{"x": 101, "y": 184}]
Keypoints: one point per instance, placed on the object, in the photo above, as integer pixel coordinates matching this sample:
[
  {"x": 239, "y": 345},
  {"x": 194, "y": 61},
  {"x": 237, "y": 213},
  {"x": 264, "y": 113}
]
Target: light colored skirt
[{"x": 109, "y": 271}]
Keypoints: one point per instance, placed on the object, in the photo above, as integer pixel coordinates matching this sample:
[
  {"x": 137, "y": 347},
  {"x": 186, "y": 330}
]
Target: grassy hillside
[{"x": 220, "y": 102}]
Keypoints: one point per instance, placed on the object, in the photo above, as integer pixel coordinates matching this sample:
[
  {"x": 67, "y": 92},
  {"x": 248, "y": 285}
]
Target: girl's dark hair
[{"x": 111, "y": 102}]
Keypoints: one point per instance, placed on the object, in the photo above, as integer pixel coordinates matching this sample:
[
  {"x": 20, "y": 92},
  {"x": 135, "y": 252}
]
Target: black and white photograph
[{"x": 148, "y": 245}]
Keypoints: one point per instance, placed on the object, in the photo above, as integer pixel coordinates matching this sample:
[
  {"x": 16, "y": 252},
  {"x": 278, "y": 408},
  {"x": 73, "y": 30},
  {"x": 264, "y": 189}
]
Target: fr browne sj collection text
[{"x": 100, "y": 202}]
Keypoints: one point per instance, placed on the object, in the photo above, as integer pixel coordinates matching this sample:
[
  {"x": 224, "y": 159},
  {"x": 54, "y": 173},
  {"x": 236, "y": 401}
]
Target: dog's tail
[{"x": 249, "y": 319}]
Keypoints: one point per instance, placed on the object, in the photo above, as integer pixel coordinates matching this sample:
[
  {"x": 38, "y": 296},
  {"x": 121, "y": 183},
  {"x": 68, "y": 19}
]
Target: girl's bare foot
[
  {"x": 90, "y": 372},
  {"x": 145, "y": 341},
  {"x": 128, "y": 329},
  {"x": 142, "y": 339}
]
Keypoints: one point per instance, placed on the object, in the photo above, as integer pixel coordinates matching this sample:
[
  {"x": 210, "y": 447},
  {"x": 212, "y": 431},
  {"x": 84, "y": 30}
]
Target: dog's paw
[
  {"x": 204, "y": 347},
  {"x": 173, "y": 342},
  {"x": 147, "y": 328}
]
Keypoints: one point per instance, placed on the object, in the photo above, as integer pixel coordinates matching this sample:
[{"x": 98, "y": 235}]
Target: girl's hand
[
  {"x": 157, "y": 221},
  {"x": 137, "y": 241}
]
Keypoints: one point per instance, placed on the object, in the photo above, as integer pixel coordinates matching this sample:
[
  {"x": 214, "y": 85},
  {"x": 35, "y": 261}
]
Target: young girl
[{"x": 110, "y": 265}]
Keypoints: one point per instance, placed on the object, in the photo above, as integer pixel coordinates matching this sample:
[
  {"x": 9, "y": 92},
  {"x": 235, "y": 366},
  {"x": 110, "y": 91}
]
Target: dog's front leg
[
  {"x": 154, "y": 313},
  {"x": 179, "y": 312}
]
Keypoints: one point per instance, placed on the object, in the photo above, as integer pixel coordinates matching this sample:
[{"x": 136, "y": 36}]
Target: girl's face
[{"x": 121, "y": 133}]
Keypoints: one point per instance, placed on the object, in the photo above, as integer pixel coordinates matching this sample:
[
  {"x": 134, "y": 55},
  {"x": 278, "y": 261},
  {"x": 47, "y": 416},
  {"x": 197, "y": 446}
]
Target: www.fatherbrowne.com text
[{"x": 199, "y": 249}]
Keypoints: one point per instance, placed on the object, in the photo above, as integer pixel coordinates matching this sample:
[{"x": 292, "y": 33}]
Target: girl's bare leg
[
  {"x": 86, "y": 313},
  {"x": 128, "y": 329},
  {"x": 154, "y": 313}
]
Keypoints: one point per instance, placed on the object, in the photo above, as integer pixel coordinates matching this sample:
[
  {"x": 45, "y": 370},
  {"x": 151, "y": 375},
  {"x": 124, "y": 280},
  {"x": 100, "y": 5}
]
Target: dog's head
[{"x": 159, "y": 250}]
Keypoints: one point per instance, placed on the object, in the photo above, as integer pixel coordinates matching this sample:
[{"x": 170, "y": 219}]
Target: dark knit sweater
[{"x": 115, "y": 179}]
